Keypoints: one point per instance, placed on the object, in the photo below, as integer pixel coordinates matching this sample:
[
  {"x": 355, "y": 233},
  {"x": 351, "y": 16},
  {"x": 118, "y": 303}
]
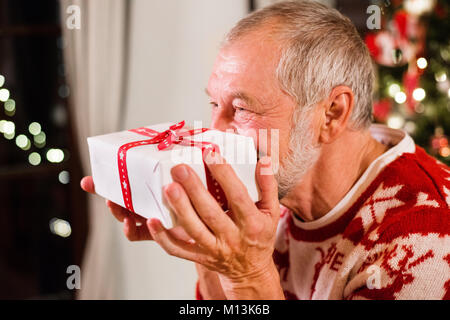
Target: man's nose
[{"x": 220, "y": 121}]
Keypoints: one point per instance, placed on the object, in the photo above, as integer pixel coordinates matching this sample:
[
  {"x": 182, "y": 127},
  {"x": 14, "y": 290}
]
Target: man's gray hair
[{"x": 321, "y": 49}]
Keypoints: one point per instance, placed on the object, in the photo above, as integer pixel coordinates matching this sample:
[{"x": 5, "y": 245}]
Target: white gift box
[{"x": 149, "y": 168}]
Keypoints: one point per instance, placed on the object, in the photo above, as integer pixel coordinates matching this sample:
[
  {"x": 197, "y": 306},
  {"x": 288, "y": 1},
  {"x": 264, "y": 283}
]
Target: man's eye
[
  {"x": 215, "y": 105},
  {"x": 240, "y": 109}
]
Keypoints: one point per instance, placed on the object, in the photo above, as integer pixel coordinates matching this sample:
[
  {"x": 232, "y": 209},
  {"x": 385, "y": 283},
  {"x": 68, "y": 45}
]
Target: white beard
[{"x": 302, "y": 155}]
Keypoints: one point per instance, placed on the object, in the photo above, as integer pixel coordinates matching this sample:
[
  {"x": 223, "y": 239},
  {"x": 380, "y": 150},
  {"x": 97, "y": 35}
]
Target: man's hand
[
  {"x": 237, "y": 245},
  {"x": 135, "y": 227}
]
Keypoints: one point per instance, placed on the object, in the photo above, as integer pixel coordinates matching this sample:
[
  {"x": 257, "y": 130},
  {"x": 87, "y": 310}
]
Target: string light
[
  {"x": 422, "y": 63},
  {"x": 8, "y": 127},
  {"x": 444, "y": 152},
  {"x": 10, "y": 107},
  {"x": 395, "y": 122},
  {"x": 63, "y": 91},
  {"x": 393, "y": 89},
  {"x": 400, "y": 97},
  {"x": 39, "y": 139},
  {"x": 419, "y": 94},
  {"x": 419, "y": 108},
  {"x": 55, "y": 155},
  {"x": 34, "y": 158},
  {"x": 410, "y": 127},
  {"x": 9, "y": 136},
  {"x": 2, "y": 124},
  {"x": 64, "y": 177},
  {"x": 418, "y": 7},
  {"x": 22, "y": 141},
  {"x": 440, "y": 76},
  {"x": 60, "y": 227},
  {"x": 4, "y": 94},
  {"x": 34, "y": 128}
]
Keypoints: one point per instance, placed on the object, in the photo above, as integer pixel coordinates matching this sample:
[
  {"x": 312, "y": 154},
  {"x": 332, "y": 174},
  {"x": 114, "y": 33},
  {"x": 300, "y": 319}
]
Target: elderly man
[{"x": 355, "y": 211}]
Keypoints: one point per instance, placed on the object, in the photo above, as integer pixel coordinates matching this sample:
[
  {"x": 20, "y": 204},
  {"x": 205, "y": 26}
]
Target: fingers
[
  {"x": 131, "y": 230},
  {"x": 179, "y": 233},
  {"x": 187, "y": 217},
  {"x": 267, "y": 185},
  {"x": 134, "y": 232},
  {"x": 235, "y": 191},
  {"x": 87, "y": 184},
  {"x": 206, "y": 206},
  {"x": 173, "y": 246},
  {"x": 129, "y": 219},
  {"x": 118, "y": 212}
]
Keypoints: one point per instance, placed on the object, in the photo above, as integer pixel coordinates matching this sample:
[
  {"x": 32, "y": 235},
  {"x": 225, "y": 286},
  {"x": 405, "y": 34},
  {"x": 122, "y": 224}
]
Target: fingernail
[
  {"x": 180, "y": 173},
  {"x": 150, "y": 225},
  {"x": 154, "y": 225},
  {"x": 173, "y": 191}
]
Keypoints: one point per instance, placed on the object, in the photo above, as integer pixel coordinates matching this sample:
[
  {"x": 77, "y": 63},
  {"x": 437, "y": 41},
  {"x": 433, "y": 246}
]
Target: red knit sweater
[{"x": 393, "y": 241}]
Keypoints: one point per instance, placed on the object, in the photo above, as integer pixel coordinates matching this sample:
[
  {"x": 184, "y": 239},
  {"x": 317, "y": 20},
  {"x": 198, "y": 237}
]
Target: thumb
[
  {"x": 267, "y": 185},
  {"x": 87, "y": 184}
]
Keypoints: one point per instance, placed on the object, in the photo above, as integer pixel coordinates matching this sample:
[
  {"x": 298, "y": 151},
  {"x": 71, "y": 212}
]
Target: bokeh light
[
  {"x": 8, "y": 127},
  {"x": 39, "y": 139},
  {"x": 10, "y": 105},
  {"x": 9, "y": 136},
  {"x": 64, "y": 177},
  {"x": 393, "y": 89},
  {"x": 400, "y": 97},
  {"x": 440, "y": 76},
  {"x": 34, "y": 128},
  {"x": 395, "y": 122},
  {"x": 422, "y": 63},
  {"x": 63, "y": 91},
  {"x": 2, "y": 124},
  {"x": 55, "y": 155},
  {"x": 22, "y": 141},
  {"x": 419, "y": 94},
  {"x": 4, "y": 94},
  {"x": 60, "y": 227},
  {"x": 34, "y": 158}
]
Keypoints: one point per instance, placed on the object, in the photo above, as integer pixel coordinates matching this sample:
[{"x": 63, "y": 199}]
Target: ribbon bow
[
  {"x": 171, "y": 136},
  {"x": 165, "y": 139}
]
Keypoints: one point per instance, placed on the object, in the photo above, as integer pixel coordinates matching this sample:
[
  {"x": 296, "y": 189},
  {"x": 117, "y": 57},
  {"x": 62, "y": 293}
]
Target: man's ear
[{"x": 337, "y": 110}]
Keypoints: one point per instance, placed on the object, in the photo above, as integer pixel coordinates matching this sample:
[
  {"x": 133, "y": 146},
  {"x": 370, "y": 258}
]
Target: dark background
[{"x": 33, "y": 260}]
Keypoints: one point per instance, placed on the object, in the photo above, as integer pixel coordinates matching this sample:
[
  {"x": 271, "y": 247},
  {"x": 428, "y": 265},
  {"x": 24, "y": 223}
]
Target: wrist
[
  {"x": 208, "y": 284},
  {"x": 263, "y": 284}
]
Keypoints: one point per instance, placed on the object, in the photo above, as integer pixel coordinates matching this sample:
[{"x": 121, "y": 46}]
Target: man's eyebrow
[
  {"x": 243, "y": 96},
  {"x": 238, "y": 94}
]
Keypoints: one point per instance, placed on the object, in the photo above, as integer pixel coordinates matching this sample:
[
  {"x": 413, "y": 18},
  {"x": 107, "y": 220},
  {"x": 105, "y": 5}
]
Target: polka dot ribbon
[{"x": 165, "y": 139}]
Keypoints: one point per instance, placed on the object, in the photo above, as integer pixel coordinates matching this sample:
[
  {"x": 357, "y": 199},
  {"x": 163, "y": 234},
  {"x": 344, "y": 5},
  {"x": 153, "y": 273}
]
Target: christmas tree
[{"x": 411, "y": 52}]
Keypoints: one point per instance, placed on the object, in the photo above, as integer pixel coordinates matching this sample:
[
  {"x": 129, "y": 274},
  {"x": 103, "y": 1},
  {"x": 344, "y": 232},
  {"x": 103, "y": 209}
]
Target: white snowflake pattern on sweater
[{"x": 388, "y": 238}]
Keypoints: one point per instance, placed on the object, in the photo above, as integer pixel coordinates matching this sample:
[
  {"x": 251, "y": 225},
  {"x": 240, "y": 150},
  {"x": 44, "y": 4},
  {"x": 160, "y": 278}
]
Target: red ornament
[
  {"x": 381, "y": 109},
  {"x": 410, "y": 83}
]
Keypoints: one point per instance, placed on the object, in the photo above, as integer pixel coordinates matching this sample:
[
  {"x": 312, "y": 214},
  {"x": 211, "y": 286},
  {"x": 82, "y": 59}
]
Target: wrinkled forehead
[{"x": 250, "y": 61}]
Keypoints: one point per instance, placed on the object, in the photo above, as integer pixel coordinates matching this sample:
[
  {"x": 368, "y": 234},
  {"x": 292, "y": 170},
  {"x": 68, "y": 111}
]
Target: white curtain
[
  {"x": 136, "y": 63},
  {"x": 94, "y": 60}
]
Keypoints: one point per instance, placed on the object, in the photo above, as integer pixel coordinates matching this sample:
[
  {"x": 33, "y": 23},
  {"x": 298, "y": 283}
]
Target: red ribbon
[{"x": 165, "y": 139}]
